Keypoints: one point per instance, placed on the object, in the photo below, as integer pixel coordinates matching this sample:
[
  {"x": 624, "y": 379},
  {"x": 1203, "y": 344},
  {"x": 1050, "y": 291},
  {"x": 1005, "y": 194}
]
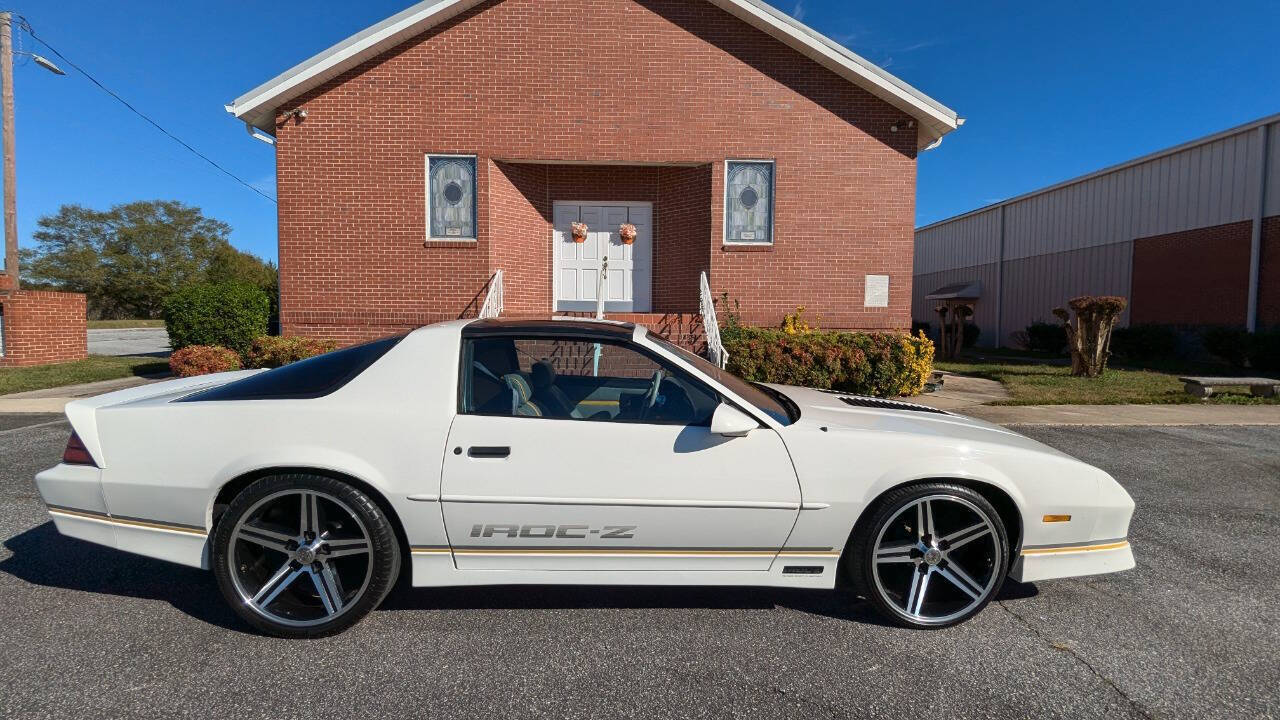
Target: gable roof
[{"x": 257, "y": 108}]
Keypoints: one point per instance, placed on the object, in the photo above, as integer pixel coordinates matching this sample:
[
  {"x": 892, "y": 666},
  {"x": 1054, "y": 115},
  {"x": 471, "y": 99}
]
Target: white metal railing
[
  {"x": 601, "y": 286},
  {"x": 710, "y": 327},
  {"x": 492, "y": 306}
]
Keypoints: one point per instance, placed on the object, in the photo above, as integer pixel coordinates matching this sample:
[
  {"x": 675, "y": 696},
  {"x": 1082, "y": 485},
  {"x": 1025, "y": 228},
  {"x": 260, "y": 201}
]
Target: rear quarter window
[{"x": 311, "y": 378}]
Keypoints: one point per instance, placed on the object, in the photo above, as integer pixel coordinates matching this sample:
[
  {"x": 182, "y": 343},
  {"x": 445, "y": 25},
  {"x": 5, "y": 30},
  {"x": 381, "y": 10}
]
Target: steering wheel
[{"x": 651, "y": 395}]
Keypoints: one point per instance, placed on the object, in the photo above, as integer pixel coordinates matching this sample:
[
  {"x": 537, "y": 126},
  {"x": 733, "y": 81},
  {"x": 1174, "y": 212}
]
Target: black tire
[
  {"x": 252, "y": 533},
  {"x": 889, "y": 584}
]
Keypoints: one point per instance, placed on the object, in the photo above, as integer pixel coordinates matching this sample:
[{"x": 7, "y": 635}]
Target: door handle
[{"x": 480, "y": 451}]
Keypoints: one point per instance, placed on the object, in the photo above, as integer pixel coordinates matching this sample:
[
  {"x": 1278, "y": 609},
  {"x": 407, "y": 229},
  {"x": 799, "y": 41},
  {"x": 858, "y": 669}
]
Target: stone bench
[{"x": 1203, "y": 387}]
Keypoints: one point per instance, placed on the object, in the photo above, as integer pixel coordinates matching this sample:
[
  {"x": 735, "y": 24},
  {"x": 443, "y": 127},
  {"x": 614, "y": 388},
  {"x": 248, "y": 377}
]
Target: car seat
[
  {"x": 548, "y": 396},
  {"x": 521, "y": 396}
]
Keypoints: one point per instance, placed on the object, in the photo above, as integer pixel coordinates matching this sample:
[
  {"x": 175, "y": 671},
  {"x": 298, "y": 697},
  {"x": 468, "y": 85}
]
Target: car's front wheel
[
  {"x": 304, "y": 555},
  {"x": 931, "y": 555}
]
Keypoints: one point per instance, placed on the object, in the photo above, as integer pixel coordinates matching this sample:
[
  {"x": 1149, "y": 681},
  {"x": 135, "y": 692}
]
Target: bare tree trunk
[{"x": 1089, "y": 333}]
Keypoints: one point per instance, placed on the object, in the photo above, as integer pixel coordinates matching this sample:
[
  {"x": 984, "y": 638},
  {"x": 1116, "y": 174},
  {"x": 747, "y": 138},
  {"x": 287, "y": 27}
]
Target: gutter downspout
[
  {"x": 1000, "y": 285},
  {"x": 1255, "y": 240},
  {"x": 257, "y": 134}
]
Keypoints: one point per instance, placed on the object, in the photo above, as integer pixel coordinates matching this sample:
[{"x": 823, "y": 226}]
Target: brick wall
[
  {"x": 43, "y": 327},
  {"x": 520, "y": 232},
  {"x": 1269, "y": 275},
  {"x": 1195, "y": 277},
  {"x": 682, "y": 243},
  {"x": 640, "y": 82}
]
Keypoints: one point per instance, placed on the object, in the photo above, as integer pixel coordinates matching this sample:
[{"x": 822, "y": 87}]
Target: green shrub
[
  {"x": 1144, "y": 342},
  {"x": 270, "y": 351},
  {"x": 879, "y": 364},
  {"x": 229, "y": 315},
  {"x": 1046, "y": 337},
  {"x": 1257, "y": 351},
  {"x": 971, "y": 334},
  {"x": 1266, "y": 349},
  {"x": 1232, "y": 344},
  {"x": 202, "y": 360}
]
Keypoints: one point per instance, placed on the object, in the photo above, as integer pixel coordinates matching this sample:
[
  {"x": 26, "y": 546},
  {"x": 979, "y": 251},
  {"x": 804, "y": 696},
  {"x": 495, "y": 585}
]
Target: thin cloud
[
  {"x": 798, "y": 11},
  {"x": 918, "y": 46}
]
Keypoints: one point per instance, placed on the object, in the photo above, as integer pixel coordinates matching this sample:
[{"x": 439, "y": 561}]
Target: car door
[{"x": 589, "y": 469}]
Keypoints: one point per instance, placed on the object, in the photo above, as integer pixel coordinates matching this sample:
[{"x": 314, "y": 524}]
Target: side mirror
[{"x": 732, "y": 422}]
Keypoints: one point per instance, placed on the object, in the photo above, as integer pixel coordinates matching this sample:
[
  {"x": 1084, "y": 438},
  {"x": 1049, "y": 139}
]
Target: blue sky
[{"x": 1050, "y": 91}]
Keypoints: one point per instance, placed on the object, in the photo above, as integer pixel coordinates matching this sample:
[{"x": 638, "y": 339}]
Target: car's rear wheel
[
  {"x": 931, "y": 555},
  {"x": 304, "y": 555}
]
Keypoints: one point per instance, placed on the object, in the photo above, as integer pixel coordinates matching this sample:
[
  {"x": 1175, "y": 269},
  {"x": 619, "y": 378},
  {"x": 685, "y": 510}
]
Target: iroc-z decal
[{"x": 559, "y": 532}]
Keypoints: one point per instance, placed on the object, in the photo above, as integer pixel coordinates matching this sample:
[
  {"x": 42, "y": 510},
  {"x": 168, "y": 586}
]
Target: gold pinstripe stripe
[
  {"x": 623, "y": 551},
  {"x": 1076, "y": 548},
  {"x": 433, "y": 550},
  {"x": 126, "y": 522},
  {"x": 802, "y": 553}
]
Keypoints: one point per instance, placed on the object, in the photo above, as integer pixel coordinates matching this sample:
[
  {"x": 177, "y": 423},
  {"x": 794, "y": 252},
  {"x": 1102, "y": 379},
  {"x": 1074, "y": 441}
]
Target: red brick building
[{"x": 459, "y": 138}]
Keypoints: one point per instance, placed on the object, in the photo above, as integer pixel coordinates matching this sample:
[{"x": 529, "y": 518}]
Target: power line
[{"x": 27, "y": 26}]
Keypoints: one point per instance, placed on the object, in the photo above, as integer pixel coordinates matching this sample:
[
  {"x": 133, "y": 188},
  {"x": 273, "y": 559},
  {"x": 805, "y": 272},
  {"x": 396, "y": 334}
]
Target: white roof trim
[{"x": 258, "y": 107}]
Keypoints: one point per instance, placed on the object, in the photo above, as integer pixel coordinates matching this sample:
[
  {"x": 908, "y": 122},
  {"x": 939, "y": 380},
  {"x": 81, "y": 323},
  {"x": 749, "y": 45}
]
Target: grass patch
[
  {"x": 91, "y": 369},
  {"x": 122, "y": 324},
  {"x": 1032, "y": 383}
]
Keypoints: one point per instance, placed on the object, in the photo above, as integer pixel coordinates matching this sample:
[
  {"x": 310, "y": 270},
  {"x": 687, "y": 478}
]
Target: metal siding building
[{"x": 1178, "y": 209}]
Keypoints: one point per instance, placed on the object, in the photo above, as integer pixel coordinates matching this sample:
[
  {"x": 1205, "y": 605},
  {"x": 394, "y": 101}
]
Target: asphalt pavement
[
  {"x": 1191, "y": 632},
  {"x": 129, "y": 341}
]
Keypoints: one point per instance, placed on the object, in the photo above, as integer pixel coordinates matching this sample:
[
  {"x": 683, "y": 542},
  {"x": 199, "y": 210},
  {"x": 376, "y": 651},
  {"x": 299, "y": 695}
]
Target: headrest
[{"x": 543, "y": 374}]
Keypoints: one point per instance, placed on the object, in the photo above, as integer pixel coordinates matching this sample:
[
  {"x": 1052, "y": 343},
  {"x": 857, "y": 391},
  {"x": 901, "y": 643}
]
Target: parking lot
[{"x": 89, "y": 631}]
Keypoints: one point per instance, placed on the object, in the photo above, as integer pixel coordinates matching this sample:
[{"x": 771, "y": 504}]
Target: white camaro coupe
[{"x": 494, "y": 452}]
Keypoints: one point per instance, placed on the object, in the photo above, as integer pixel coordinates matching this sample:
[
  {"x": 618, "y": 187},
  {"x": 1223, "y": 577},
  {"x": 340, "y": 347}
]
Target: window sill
[
  {"x": 450, "y": 242},
  {"x": 746, "y": 247}
]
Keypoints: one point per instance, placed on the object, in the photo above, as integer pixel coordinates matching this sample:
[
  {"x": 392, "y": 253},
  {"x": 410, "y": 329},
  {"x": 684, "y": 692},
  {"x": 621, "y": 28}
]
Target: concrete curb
[
  {"x": 1116, "y": 415},
  {"x": 53, "y": 400}
]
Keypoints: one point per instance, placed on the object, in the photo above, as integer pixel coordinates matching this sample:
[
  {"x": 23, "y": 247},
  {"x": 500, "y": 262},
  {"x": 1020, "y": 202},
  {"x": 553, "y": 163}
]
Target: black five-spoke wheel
[
  {"x": 932, "y": 555},
  {"x": 304, "y": 556}
]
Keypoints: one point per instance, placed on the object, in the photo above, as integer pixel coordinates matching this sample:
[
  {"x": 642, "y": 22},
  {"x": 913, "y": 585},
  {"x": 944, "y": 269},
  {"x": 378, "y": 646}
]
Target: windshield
[{"x": 767, "y": 400}]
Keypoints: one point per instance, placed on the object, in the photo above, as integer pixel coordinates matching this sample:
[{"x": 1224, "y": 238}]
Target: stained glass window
[
  {"x": 749, "y": 202},
  {"x": 451, "y": 197}
]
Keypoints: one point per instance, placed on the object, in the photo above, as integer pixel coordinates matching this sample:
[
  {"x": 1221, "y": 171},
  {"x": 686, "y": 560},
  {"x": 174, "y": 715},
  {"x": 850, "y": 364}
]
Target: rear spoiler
[{"x": 83, "y": 413}]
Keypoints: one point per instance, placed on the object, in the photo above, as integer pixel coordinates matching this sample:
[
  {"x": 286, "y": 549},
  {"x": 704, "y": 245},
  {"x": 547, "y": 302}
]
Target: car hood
[{"x": 845, "y": 412}]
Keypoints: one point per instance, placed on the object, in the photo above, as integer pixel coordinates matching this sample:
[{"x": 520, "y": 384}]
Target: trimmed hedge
[
  {"x": 203, "y": 359},
  {"x": 269, "y": 351},
  {"x": 229, "y": 315},
  {"x": 1046, "y": 337},
  {"x": 1144, "y": 342},
  {"x": 879, "y": 364},
  {"x": 1260, "y": 350}
]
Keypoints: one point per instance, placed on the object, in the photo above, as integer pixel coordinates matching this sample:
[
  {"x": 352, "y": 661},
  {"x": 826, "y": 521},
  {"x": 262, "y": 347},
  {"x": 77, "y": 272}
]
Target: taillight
[{"x": 76, "y": 453}]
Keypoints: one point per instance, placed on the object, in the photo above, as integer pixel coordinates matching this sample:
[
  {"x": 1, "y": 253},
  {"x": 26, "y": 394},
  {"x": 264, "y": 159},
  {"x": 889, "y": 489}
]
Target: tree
[
  {"x": 129, "y": 258},
  {"x": 1089, "y": 335}
]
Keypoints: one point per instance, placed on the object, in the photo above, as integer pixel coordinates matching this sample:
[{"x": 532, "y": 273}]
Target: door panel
[
  {"x": 580, "y": 494},
  {"x": 577, "y": 265}
]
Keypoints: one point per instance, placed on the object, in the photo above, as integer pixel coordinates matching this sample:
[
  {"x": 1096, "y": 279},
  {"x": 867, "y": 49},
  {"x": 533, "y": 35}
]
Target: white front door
[{"x": 578, "y": 265}]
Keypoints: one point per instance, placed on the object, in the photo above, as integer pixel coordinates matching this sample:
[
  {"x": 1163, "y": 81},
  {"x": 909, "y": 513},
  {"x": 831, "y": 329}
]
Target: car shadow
[
  {"x": 839, "y": 605},
  {"x": 42, "y": 556}
]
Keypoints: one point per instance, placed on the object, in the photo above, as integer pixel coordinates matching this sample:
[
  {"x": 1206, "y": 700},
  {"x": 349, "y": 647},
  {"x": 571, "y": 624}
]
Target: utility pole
[{"x": 10, "y": 166}]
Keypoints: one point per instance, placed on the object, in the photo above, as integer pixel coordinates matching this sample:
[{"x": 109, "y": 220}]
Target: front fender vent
[{"x": 880, "y": 404}]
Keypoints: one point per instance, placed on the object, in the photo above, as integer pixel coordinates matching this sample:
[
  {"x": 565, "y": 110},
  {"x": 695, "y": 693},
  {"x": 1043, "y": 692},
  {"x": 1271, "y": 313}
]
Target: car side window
[{"x": 580, "y": 379}]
